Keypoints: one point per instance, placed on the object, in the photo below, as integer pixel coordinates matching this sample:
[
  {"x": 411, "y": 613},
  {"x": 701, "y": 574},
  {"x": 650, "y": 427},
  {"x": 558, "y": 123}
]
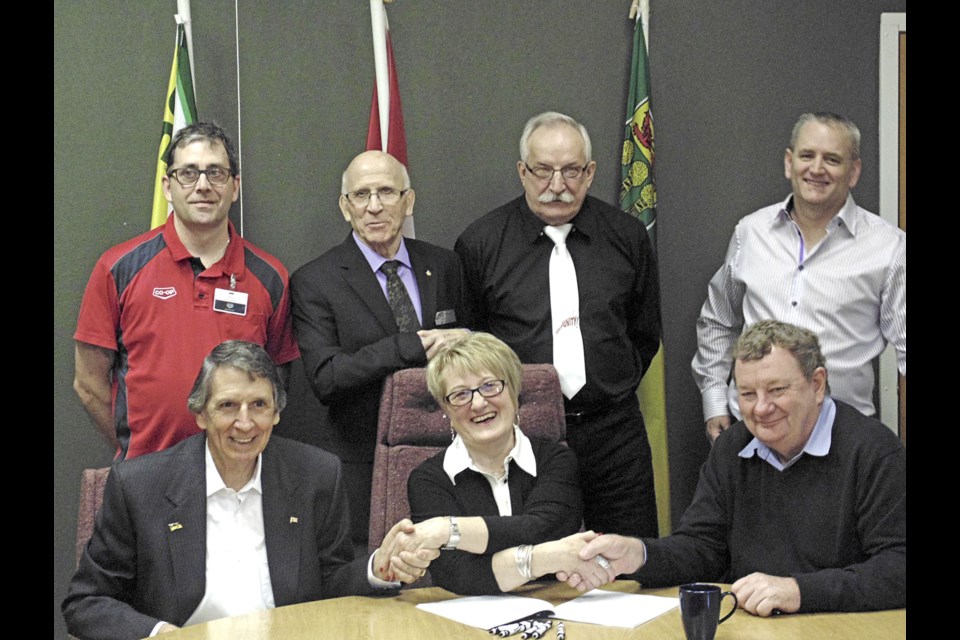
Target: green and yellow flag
[
  {"x": 638, "y": 193},
  {"x": 179, "y": 110},
  {"x": 638, "y": 197}
]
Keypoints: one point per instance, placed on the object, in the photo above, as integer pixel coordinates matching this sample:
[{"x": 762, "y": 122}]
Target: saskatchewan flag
[
  {"x": 179, "y": 110},
  {"x": 638, "y": 197}
]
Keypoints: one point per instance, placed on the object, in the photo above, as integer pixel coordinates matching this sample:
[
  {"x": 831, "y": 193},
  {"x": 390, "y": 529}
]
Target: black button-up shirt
[{"x": 506, "y": 258}]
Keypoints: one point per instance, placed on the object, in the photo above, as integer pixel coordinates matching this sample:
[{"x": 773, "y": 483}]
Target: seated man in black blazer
[{"x": 222, "y": 524}]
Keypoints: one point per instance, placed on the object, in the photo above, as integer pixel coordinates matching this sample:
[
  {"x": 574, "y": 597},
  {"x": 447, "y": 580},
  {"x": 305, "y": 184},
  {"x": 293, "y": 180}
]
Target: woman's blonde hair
[{"x": 475, "y": 353}]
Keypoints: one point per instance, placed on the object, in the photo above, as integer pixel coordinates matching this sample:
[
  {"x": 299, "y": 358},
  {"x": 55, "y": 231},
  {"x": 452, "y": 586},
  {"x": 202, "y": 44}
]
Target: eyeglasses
[
  {"x": 188, "y": 176},
  {"x": 546, "y": 173},
  {"x": 388, "y": 196},
  {"x": 465, "y": 396}
]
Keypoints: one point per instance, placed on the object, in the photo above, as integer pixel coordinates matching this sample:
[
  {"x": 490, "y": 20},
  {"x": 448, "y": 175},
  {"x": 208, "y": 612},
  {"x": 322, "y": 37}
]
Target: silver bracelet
[{"x": 523, "y": 556}]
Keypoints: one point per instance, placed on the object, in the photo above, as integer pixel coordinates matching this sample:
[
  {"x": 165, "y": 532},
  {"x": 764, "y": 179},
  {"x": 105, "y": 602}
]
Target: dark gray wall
[{"x": 729, "y": 78}]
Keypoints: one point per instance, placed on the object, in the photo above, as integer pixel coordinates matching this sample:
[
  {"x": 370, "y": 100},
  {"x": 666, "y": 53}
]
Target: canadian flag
[{"x": 385, "y": 131}]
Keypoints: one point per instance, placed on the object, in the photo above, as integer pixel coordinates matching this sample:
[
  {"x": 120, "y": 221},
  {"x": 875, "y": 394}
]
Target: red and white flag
[{"x": 385, "y": 131}]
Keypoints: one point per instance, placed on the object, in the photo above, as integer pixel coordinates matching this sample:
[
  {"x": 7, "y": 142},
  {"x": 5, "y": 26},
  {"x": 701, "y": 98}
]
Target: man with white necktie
[{"x": 567, "y": 279}]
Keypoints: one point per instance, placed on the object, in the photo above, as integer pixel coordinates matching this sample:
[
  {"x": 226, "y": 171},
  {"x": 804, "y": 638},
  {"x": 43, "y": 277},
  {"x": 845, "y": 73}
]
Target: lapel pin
[
  {"x": 428, "y": 273},
  {"x": 174, "y": 526},
  {"x": 294, "y": 519}
]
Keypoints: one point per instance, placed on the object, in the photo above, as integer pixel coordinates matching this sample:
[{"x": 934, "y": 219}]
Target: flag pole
[
  {"x": 183, "y": 17},
  {"x": 236, "y": 44},
  {"x": 378, "y": 23}
]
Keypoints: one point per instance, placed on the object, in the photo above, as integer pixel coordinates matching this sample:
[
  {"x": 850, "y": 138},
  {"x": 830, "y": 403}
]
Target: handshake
[{"x": 584, "y": 560}]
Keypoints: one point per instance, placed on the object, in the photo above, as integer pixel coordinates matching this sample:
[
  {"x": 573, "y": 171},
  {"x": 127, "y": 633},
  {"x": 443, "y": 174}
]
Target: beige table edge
[{"x": 396, "y": 617}]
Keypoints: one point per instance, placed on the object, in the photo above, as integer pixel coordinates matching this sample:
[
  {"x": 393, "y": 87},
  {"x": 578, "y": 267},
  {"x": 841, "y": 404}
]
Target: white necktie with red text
[{"x": 565, "y": 313}]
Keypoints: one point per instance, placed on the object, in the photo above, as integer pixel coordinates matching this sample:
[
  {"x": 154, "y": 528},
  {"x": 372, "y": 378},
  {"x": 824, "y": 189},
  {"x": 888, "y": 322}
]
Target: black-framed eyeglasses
[
  {"x": 188, "y": 176},
  {"x": 387, "y": 195},
  {"x": 546, "y": 173},
  {"x": 464, "y": 397}
]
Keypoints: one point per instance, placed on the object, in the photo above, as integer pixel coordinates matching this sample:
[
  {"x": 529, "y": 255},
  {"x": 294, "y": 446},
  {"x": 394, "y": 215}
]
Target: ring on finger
[{"x": 603, "y": 562}]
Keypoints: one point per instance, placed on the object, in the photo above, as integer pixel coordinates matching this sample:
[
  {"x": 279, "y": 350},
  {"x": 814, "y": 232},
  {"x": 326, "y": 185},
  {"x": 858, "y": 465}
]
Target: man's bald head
[
  {"x": 366, "y": 159},
  {"x": 375, "y": 199}
]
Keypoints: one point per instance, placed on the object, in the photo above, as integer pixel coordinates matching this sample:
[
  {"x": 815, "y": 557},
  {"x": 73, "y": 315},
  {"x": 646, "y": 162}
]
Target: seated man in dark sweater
[{"x": 803, "y": 505}]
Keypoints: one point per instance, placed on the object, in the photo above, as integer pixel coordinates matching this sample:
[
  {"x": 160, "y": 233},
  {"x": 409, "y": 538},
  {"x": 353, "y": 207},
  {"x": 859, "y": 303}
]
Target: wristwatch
[{"x": 454, "y": 539}]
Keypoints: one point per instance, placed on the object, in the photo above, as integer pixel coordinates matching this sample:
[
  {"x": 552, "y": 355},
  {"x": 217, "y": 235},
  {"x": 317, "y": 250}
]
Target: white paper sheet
[
  {"x": 487, "y": 612},
  {"x": 614, "y": 609},
  {"x": 609, "y": 608}
]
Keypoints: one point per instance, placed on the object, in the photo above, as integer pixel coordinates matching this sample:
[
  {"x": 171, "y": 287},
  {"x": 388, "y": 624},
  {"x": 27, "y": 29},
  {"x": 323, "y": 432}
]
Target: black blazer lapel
[
  {"x": 426, "y": 274},
  {"x": 281, "y": 526},
  {"x": 187, "y": 529},
  {"x": 356, "y": 272}
]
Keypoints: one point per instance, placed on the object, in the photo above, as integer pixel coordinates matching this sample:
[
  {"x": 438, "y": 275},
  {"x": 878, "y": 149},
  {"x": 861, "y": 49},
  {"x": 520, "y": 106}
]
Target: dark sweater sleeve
[
  {"x": 551, "y": 508},
  {"x": 880, "y": 495},
  {"x": 697, "y": 550}
]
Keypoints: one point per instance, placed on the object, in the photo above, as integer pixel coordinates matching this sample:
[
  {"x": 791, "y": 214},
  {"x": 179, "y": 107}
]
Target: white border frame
[{"x": 891, "y": 26}]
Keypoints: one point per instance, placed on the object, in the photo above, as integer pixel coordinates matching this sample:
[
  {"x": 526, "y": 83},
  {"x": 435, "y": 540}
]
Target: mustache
[{"x": 550, "y": 196}]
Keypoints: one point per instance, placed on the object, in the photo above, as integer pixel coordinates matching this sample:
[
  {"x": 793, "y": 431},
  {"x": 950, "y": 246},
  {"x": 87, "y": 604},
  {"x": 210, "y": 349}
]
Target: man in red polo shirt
[{"x": 157, "y": 304}]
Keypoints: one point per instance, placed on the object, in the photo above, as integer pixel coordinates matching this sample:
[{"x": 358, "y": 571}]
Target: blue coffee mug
[{"x": 700, "y": 609}]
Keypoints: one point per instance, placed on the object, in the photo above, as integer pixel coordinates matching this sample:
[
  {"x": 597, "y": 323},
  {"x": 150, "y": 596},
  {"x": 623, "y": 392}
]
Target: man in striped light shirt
[{"x": 816, "y": 260}]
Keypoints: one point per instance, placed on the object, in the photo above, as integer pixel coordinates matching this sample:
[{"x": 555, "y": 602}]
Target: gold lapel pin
[
  {"x": 174, "y": 526},
  {"x": 428, "y": 272},
  {"x": 294, "y": 519}
]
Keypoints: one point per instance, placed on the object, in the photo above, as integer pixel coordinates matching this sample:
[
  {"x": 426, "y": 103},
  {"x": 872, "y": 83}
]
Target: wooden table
[{"x": 397, "y": 618}]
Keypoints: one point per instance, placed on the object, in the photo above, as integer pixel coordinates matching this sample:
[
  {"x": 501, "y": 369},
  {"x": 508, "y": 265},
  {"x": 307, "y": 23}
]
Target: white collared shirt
[
  {"x": 238, "y": 577},
  {"x": 457, "y": 459},
  {"x": 237, "y": 572},
  {"x": 818, "y": 444}
]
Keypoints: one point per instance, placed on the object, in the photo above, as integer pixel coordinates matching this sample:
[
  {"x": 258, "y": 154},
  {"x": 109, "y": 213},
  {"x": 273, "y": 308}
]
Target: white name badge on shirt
[{"x": 228, "y": 301}]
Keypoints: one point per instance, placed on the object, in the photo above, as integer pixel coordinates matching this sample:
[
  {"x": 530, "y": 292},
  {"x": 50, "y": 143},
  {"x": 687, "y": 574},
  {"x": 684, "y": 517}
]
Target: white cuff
[
  {"x": 715, "y": 402},
  {"x": 376, "y": 582}
]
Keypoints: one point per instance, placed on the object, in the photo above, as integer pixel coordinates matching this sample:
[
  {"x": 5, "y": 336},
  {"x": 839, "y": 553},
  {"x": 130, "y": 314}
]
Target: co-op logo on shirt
[{"x": 164, "y": 293}]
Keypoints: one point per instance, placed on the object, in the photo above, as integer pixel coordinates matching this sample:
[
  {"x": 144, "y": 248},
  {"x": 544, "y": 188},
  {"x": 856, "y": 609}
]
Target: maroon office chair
[{"x": 92, "y": 483}]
